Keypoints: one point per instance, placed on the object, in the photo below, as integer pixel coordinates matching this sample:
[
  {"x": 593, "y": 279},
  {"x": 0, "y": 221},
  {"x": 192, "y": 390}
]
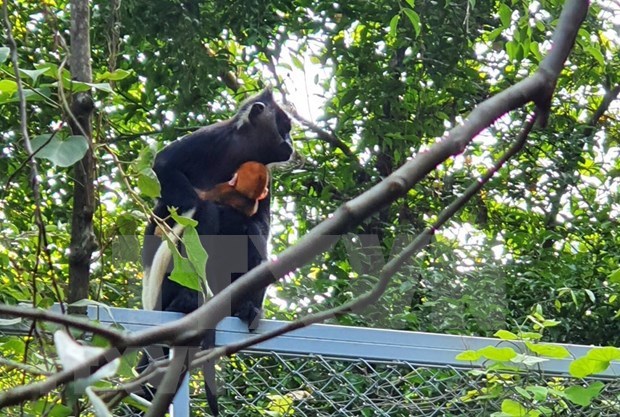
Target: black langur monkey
[{"x": 235, "y": 242}]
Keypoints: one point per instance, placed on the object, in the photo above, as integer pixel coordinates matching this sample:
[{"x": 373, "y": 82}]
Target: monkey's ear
[
  {"x": 264, "y": 194},
  {"x": 255, "y": 111},
  {"x": 233, "y": 180}
]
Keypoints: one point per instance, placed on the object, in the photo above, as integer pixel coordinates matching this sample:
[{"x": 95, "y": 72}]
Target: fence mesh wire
[
  {"x": 274, "y": 385},
  {"x": 257, "y": 384}
]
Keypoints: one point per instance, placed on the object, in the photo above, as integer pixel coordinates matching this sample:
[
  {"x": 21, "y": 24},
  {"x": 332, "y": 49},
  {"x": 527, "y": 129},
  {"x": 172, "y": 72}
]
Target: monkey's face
[
  {"x": 270, "y": 128},
  {"x": 285, "y": 147}
]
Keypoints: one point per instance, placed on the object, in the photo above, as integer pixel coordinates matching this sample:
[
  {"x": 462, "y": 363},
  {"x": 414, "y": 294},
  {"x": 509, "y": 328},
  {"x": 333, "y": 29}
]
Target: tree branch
[
  {"x": 42, "y": 243},
  {"x": 190, "y": 329},
  {"x": 387, "y": 271},
  {"x": 114, "y": 336}
]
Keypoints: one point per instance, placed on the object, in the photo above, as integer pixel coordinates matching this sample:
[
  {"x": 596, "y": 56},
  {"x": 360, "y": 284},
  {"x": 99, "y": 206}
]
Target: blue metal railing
[{"x": 424, "y": 349}]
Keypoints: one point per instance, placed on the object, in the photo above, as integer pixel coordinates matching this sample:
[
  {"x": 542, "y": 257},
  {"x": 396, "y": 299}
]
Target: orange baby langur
[{"x": 248, "y": 186}]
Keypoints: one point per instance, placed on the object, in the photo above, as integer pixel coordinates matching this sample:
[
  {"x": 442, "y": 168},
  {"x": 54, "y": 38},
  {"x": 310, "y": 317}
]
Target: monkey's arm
[{"x": 176, "y": 187}]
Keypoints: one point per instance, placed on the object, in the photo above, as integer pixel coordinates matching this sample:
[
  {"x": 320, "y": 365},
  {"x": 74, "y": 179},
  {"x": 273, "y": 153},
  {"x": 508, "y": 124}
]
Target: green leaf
[
  {"x": 596, "y": 54},
  {"x": 497, "y": 354},
  {"x": 512, "y": 49},
  {"x": 468, "y": 355},
  {"x": 297, "y": 62},
  {"x": 51, "y": 70},
  {"x": 411, "y": 3},
  {"x": 505, "y": 15},
  {"x": 145, "y": 159},
  {"x": 550, "y": 323},
  {"x": 63, "y": 153},
  {"x": 583, "y": 367},
  {"x": 59, "y": 410},
  {"x": 148, "y": 183},
  {"x": 33, "y": 74},
  {"x": 523, "y": 393},
  {"x": 584, "y": 395},
  {"x": 4, "y": 53},
  {"x": 506, "y": 335},
  {"x": 183, "y": 272},
  {"x": 182, "y": 220},
  {"x": 8, "y": 87},
  {"x": 550, "y": 351},
  {"x": 117, "y": 75},
  {"x": 191, "y": 271},
  {"x": 540, "y": 393},
  {"x": 394, "y": 24},
  {"x": 605, "y": 354},
  {"x": 414, "y": 19},
  {"x": 615, "y": 276},
  {"x": 513, "y": 408},
  {"x": 528, "y": 360},
  {"x": 530, "y": 336},
  {"x": 195, "y": 251},
  {"x": 101, "y": 87},
  {"x": 535, "y": 49}
]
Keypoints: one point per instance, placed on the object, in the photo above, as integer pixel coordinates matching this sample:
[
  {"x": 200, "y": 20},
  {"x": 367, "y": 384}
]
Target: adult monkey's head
[{"x": 265, "y": 127}]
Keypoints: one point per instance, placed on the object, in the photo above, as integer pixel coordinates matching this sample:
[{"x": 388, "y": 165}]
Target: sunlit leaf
[
  {"x": 196, "y": 253},
  {"x": 8, "y": 86},
  {"x": 513, "y": 408},
  {"x": 583, "y": 367},
  {"x": 506, "y": 335},
  {"x": 4, "y": 53},
  {"x": 394, "y": 24},
  {"x": 414, "y": 18},
  {"x": 596, "y": 54},
  {"x": 182, "y": 218},
  {"x": 584, "y": 395},
  {"x": 498, "y": 354},
  {"x": 505, "y": 15},
  {"x": 550, "y": 351},
  {"x": 61, "y": 152},
  {"x": 605, "y": 354},
  {"x": 148, "y": 183},
  {"x": 528, "y": 360},
  {"x": 540, "y": 393},
  {"x": 33, "y": 74},
  {"x": 117, "y": 75},
  {"x": 468, "y": 355}
]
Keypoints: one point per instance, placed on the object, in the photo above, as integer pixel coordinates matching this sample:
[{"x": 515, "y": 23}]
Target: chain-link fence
[
  {"x": 327, "y": 370},
  {"x": 258, "y": 384}
]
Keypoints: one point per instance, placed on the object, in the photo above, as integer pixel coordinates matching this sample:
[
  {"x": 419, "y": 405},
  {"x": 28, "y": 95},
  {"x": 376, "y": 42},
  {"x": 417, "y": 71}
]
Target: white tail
[{"x": 154, "y": 275}]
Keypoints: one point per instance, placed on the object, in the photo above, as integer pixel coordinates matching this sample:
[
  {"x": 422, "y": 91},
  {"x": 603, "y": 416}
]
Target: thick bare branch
[
  {"x": 82, "y": 235},
  {"x": 363, "y": 301},
  {"x": 191, "y": 328}
]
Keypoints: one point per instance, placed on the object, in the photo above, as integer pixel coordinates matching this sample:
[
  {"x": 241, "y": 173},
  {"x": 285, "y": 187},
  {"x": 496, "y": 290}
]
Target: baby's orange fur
[{"x": 249, "y": 185}]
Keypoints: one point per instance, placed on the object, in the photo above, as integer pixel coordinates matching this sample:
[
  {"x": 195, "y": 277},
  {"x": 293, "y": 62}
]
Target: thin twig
[
  {"x": 42, "y": 243},
  {"x": 114, "y": 336},
  {"x": 28, "y": 369}
]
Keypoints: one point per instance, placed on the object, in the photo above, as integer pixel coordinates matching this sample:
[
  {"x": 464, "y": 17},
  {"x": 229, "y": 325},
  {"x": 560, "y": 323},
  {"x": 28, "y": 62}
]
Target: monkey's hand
[{"x": 250, "y": 313}]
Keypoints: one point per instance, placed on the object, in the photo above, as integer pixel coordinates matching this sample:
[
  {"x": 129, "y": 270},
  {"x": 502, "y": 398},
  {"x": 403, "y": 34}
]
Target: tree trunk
[{"x": 82, "y": 236}]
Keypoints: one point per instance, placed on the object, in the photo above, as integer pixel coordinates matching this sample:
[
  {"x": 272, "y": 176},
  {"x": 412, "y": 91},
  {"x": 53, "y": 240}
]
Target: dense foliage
[{"x": 372, "y": 83}]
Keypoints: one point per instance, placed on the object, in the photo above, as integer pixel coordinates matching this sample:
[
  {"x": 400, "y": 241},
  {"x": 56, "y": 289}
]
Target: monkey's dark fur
[{"x": 235, "y": 243}]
